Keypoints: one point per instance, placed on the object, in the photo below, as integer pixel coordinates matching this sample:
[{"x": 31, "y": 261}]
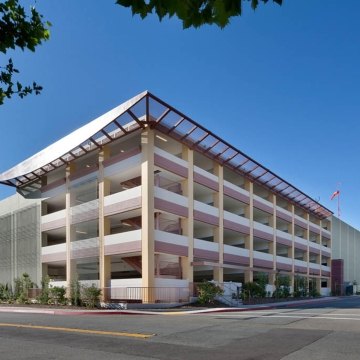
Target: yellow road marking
[
  {"x": 173, "y": 313},
  {"x": 81, "y": 331}
]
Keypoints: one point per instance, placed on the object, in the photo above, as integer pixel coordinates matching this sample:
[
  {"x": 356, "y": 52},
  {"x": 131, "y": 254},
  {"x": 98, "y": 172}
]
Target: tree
[
  {"x": 192, "y": 12},
  {"x": 19, "y": 30}
]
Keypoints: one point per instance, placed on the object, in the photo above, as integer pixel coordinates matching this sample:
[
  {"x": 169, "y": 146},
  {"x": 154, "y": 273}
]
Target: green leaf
[
  {"x": 21, "y": 30},
  {"x": 192, "y": 13}
]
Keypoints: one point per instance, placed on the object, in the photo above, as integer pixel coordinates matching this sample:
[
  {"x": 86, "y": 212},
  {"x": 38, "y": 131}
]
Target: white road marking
[
  {"x": 295, "y": 316},
  {"x": 297, "y": 313}
]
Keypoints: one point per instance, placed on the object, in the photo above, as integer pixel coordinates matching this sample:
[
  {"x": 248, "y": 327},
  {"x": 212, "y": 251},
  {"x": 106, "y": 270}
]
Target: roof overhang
[{"x": 144, "y": 110}]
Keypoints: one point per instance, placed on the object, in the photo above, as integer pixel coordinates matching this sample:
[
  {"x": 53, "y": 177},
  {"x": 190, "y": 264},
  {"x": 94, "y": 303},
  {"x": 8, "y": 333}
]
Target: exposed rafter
[{"x": 129, "y": 118}]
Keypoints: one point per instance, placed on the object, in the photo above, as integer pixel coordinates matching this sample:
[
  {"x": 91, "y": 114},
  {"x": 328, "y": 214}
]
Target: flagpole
[{"x": 334, "y": 195}]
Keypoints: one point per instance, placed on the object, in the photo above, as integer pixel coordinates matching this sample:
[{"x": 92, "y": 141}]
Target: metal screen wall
[
  {"x": 346, "y": 245},
  {"x": 20, "y": 245},
  {"x": 6, "y": 249}
]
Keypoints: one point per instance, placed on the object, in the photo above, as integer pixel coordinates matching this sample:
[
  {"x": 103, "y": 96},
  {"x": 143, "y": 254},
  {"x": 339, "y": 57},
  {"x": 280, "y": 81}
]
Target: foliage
[
  {"x": 19, "y": 30},
  {"x": 192, "y": 13},
  {"x": 207, "y": 291},
  {"x": 57, "y": 295},
  {"x": 90, "y": 295},
  {"x": 282, "y": 286},
  {"x": 51, "y": 295},
  {"x": 75, "y": 292},
  {"x": 44, "y": 296},
  {"x": 256, "y": 289},
  {"x": 79, "y": 294},
  {"x": 22, "y": 286},
  {"x": 300, "y": 286},
  {"x": 84, "y": 295},
  {"x": 252, "y": 290},
  {"x": 262, "y": 280},
  {"x": 314, "y": 293},
  {"x": 312, "y": 289},
  {"x": 6, "y": 293}
]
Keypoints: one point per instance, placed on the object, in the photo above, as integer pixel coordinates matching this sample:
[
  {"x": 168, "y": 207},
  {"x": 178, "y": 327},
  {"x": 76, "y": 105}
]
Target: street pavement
[
  {"x": 316, "y": 330},
  {"x": 166, "y": 310}
]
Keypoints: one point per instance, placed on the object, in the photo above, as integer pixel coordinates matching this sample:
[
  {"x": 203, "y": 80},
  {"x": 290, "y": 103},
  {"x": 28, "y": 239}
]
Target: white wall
[
  {"x": 15, "y": 203},
  {"x": 346, "y": 246}
]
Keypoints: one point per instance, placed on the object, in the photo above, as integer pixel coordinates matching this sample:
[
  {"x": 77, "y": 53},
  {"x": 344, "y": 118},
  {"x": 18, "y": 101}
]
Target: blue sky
[{"x": 281, "y": 84}]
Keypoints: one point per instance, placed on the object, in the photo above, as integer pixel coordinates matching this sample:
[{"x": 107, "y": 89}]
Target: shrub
[
  {"x": 255, "y": 289},
  {"x": 300, "y": 287},
  {"x": 57, "y": 295},
  {"x": 282, "y": 286},
  {"x": 207, "y": 291},
  {"x": 44, "y": 296},
  {"x": 6, "y": 293},
  {"x": 90, "y": 295},
  {"x": 22, "y": 286},
  {"x": 251, "y": 290},
  {"x": 313, "y": 292},
  {"x": 262, "y": 280},
  {"x": 75, "y": 293},
  {"x": 312, "y": 289}
]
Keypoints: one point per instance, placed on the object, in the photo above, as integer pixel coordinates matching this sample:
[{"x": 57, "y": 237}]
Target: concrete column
[
  {"x": 320, "y": 242},
  {"x": 318, "y": 259},
  {"x": 44, "y": 270},
  {"x": 307, "y": 253},
  {"x": 104, "y": 260},
  {"x": 157, "y": 264},
  {"x": 292, "y": 250},
  {"x": 218, "y": 273},
  {"x": 105, "y": 278},
  {"x": 188, "y": 223},
  {"x": 272, "y": 247},
  {"x": 147, "y": 214},
  {"x": 318, "y": 285},
  {"x": 249, "y": 241},
  {"x": 306, "y": 256},
  {"x": 70, "y": 265},
  {"x": 184, "y": 267},
  {"x": 307, "y": 232},
  {"x": 104, "y": 227}
]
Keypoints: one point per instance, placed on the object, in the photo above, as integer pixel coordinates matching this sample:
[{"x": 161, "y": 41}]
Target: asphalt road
[{"x": 322, "y": 331}]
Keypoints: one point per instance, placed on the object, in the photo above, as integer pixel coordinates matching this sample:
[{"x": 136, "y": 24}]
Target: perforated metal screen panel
[
  {"x": 20, "y": 244},
  {"x": 5, "y": 249}
]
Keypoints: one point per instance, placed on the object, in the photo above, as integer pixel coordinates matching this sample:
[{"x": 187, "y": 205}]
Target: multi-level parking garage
[{"x": 146, "y": 198}]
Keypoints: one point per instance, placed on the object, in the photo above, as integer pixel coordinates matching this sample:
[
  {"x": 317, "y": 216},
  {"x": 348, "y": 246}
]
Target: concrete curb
[{"x": 67, "y": 312}]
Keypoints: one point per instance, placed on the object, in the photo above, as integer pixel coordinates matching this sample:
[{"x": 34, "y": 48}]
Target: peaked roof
[{"x": 144, "y": 110}]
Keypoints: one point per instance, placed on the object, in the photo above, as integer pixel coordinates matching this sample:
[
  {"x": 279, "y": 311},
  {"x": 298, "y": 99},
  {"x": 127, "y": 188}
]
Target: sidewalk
[{"x": 163, "y": 311}]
